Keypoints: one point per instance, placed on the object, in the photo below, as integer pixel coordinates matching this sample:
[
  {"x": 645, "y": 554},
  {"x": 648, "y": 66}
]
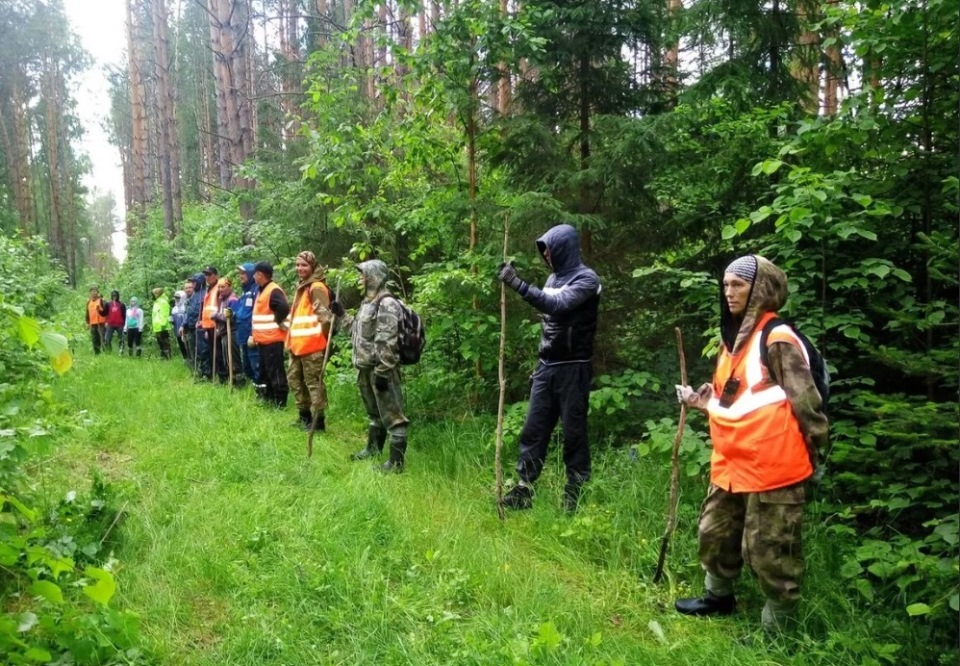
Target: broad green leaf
[
  {"x": 53, "y": 344},
  {"x": 742, "y": 225},
  {"x": 47, "y": 590},
  {"x": 862, "y": 199},
  {"x": 955, "y": 601},
  {"x": 62, "y": 362},
  {"x": 29, "y": 330},
  {"x": 902, "y": 274},
  {"x": 771, "y": 166},
  {"x": 38, "y": 655},
  {"x": 728, "y": 232},
  {"x": 914, "y": 610},
  {"x": 105, "y": 587}
]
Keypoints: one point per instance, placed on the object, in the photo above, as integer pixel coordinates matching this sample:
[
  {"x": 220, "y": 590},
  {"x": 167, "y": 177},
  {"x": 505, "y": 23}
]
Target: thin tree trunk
[
  {"x": 51, "y": 117},
  {"x": 139, "y": 153},
  {"x": 831, "y": 96},
  {"x": 169, "y": 165},
  {"x": 671, "y": 58},
  {"x": 585, "y": 205},
  {"x": 806, "y": 60}
]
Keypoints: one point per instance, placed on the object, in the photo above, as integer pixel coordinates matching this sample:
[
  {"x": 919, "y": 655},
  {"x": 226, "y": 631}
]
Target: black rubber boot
[
  {"x": 303, "y": 420},
  {"x": 375, "y": 438},
  {"x": 398, "y": 449},
  {"x": 520, "y": 498},
  {"x": 321, "y": 423},
  {"x": 708, "y": 604}
]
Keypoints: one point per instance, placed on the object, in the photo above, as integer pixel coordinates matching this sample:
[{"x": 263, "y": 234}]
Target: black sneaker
[
  {"x": 520, "y": 498},
  {"x": 571, "y": 497}
]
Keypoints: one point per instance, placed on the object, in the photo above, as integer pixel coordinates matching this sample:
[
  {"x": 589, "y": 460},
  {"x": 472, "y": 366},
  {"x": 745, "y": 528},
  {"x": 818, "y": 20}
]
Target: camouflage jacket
[{"x": 374, "y": 330}]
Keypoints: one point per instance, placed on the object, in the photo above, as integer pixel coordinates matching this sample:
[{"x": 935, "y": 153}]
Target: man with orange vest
[
  {"x": 209, "y": 305},
  {"x": 270, "y": 312},
  {"x": 766, "y": 424},
  {"x": 96, "y": 318},
  {"x": 307, "y": 339}
]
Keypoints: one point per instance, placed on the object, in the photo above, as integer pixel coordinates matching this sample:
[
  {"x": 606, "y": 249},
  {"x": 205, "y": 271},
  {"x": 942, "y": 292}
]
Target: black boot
[
  {"x": 571, "y": 496},
  {"x": 303, "y": 420},
  {"x": 376, "y": 436},
  {"x": 320, "y": 425},
  {"x": 398, "y": 448},
  {"x": 708, "y": 604},
  {"x": 520, "y": 498}
]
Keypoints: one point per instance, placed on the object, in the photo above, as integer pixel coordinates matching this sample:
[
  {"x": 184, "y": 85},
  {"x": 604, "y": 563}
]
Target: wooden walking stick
[
  {"x": 674, "y": 470},
  {"x": 229, "y": 351},
  {"x": 323, "y": 371},
  {"x": 501, "y": 375}
]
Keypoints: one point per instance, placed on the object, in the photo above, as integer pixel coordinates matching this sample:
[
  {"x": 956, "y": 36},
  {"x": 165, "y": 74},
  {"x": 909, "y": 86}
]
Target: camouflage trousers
[
  {"x": 763, "y": 529},
  {"x": 384, "y": 408},
  {"x": 307, "y": 384}
]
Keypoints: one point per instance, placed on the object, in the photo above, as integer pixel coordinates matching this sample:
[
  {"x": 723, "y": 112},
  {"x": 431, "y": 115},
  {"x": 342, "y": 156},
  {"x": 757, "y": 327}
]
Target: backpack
[
  {"x": 818, "y": 366},
  {"x": 411, "y": 336}
]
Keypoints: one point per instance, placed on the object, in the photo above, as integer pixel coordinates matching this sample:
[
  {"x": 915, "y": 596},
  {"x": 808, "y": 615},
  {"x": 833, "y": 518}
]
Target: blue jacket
[
  {"x": 569, "y": 300},
  {"x": 243, "y": 312},
  {"x": 195, "y": 304}
]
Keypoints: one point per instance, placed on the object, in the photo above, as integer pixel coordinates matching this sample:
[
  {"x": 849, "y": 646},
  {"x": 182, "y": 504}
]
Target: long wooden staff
[
  {"x": 501, "y": 375},
  {"x": 674, "y": 469},
  {"x": 229, "y": 350},
  {"x": 213, "y": 343},
  {"x": 323, "y": 371}
]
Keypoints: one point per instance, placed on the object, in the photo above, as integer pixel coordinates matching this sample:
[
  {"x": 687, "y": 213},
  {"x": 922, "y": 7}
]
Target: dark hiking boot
[
  {"x": 398, "y": 449},
  {"x": 303, "y": 420},
  {"x": 320, "y": 425},
  {"x": 520, "y": 498},
  {"x": 571, "y": 496},
  {"x": 708, "y": 604},
  {"x": 375, "y": 439}
]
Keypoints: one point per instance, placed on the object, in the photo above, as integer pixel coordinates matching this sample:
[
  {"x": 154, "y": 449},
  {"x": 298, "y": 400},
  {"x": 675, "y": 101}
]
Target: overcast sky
[{"x": 100, "y": 27}]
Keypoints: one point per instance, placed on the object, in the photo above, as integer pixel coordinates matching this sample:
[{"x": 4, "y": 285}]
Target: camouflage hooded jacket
[{"x": 375, "y": 329}]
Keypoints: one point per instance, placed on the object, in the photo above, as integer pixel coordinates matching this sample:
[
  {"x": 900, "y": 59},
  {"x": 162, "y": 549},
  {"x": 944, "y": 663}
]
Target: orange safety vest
[
  {"x": 306, "y": 334},
  {"x": 757, "y": 442},
  {"x": 211, "y": 302},
  {"x": 93, "y": 313},
  {"x": 265, "y": 327}
]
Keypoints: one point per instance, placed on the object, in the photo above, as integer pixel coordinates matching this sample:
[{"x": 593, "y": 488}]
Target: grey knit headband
[{"x": 744, "y": 267}]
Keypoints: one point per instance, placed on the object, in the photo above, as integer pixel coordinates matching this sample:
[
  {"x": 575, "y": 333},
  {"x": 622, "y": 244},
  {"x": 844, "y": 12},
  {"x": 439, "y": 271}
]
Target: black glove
[
  {"x": 337, "y": 309},
  {"x": 508, "y": 275},
  {"x": 381, "y": 383}
]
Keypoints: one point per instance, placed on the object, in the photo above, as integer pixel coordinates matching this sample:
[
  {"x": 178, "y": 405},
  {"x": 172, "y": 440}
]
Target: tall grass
[{"x": 237, "y": 549}]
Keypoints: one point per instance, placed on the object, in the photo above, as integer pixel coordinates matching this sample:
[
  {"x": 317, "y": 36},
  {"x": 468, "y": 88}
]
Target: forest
[{"x": 675, "y": 136}]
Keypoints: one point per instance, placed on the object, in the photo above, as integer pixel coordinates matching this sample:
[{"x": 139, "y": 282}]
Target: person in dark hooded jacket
[
  {"x": 766, "y": 425},
  {"x": 243, "y": 315},
  {"x": 195, "y": 289},
  {"x": 569, "y": 301}
]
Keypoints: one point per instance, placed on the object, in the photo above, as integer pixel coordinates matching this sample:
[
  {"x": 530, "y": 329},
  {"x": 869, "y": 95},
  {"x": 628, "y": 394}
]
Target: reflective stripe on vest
[
  {"x": 757, "y": 443},
  {"x": 306, "y": 333},
  {"x": 93, "y": 312},
  {"x": 211, "y": 304},
  {"x": 265, "y": 328}
]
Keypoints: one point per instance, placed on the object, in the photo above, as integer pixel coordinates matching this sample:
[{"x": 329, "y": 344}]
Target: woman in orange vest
[
  {"x": 96, "y": 318},
  {"x": 766, "y": 422},
  {"x": 270, "y": 312},
  {"x": 307, "y": 339}
]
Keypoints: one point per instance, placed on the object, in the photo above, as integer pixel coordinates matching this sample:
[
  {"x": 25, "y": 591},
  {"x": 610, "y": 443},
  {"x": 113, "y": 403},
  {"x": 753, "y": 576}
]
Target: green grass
[{"x": 237, "y": 549}]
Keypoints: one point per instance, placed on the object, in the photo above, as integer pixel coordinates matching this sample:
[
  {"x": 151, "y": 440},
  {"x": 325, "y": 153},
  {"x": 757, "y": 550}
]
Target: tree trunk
[
  {"x": 585, "y": 204},
  {"x": 16, "y": 149},
  {"x": 291, "y": 88},
  {"x": 671, "y": 58},
  {"x": 806, "y": 59},
  {"x": 168, "y": 152},
  {"x": 52, "y": 115},
  {"x": 831, "y": 92},
  {"x": 139, "y": 149}
]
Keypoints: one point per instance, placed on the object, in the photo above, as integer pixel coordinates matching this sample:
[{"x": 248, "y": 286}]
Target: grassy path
[{"x": 236, "y": 549}]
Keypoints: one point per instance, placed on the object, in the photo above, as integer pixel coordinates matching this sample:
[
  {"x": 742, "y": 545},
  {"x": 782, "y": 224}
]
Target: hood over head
[
  {"x": 768, "y": 293},
  {"x": 199, "y": 282},
  {"x": 248, "y": 269},
  {"x": 375, "y": 275},
  {"x": 563, "y": 241},
  {"x": 133, "y": 301}
]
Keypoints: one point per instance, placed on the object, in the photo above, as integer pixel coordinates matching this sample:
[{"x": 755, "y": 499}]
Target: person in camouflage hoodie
[
  {"x": 766, "y": 425},
  {"x": 374, "y": 333}
]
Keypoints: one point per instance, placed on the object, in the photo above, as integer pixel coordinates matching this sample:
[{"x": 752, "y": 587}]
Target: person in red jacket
[
  {"x": 766, "y": 424},
  {"x": 116, "y": 317}
]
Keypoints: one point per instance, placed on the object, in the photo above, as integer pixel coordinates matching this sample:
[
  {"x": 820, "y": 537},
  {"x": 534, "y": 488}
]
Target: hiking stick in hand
[
  {"x": 674, "y": 470},
  {"x": 501, "y": 375},
  {"x": 229, "y": 352},
  {"x": 323, "y": 371}
]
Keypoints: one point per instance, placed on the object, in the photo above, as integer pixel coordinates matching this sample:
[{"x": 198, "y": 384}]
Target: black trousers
[
  {"x": 163, "y": 341},
  {"x": 134, "y": 339},
  {"x": 96, "y": 336},
  {"x": 204, "y": 358},
  {"x": 190, "y": 341},
  {"x": 184, "y": 351},
  {"x": 559, "y": 392},
  {"x": 273, "y": 375}
]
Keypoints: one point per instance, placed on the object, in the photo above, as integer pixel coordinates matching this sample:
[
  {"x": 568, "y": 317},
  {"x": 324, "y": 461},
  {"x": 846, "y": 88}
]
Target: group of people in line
[
  {"x": 765, "y": 413},
  {"x": 107, "y": 319}
]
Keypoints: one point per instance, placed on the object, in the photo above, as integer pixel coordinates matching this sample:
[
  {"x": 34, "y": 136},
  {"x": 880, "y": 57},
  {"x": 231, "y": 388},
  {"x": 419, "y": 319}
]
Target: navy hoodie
[{"x": 569, "y": 300}]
